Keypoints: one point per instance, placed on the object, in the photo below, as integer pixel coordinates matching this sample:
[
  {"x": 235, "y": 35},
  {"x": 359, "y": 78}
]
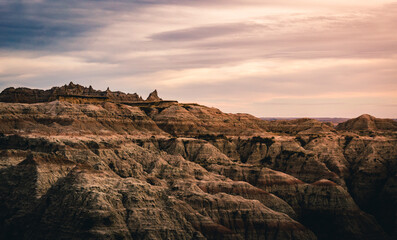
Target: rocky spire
[{"x": 153, "y": 96}]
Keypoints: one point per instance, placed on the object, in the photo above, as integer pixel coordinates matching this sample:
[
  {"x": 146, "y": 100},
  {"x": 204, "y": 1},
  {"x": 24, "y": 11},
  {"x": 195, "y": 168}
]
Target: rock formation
[
  {"x": 27, "y": 95},
  {"x": 367, "y": 122},
  {"x": 153, "y": 96},
  {"x": 108, "y": 170}
]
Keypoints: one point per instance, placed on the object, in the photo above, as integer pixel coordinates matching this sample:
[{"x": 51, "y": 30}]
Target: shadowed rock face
[{"x": 185, "y": 171}]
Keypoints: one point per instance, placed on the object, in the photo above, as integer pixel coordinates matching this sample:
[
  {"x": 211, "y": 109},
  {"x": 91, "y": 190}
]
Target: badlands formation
[{"x": 76, "y": 163}]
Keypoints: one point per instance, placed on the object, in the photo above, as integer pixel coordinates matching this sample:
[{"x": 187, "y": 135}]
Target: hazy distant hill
[{"x": 335, "y": 121}]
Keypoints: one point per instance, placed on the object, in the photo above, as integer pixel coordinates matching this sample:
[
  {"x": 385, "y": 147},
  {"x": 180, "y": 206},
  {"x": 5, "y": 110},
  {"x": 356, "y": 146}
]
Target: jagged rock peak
[
  {"x": 27, "y": 95},
  {"x": 153, "y": 96}
]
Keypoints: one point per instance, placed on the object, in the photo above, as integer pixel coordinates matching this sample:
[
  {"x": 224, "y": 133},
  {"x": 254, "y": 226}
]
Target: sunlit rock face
[{"x": 106, "y": 170}]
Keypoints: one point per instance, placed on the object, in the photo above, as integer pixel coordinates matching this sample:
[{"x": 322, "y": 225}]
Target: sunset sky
[{"x": 285, "y": 58}]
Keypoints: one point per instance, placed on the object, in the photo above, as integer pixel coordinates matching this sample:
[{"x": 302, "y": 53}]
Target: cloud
[
  {"x": 264, "y": 57},
  {"x": 204, "y": 32},
  {"x": 27, "y": 25}
]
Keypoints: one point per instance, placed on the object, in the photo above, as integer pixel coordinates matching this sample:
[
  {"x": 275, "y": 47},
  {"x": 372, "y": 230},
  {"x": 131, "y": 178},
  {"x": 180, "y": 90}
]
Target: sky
[{"x": 285, "y": 58}]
